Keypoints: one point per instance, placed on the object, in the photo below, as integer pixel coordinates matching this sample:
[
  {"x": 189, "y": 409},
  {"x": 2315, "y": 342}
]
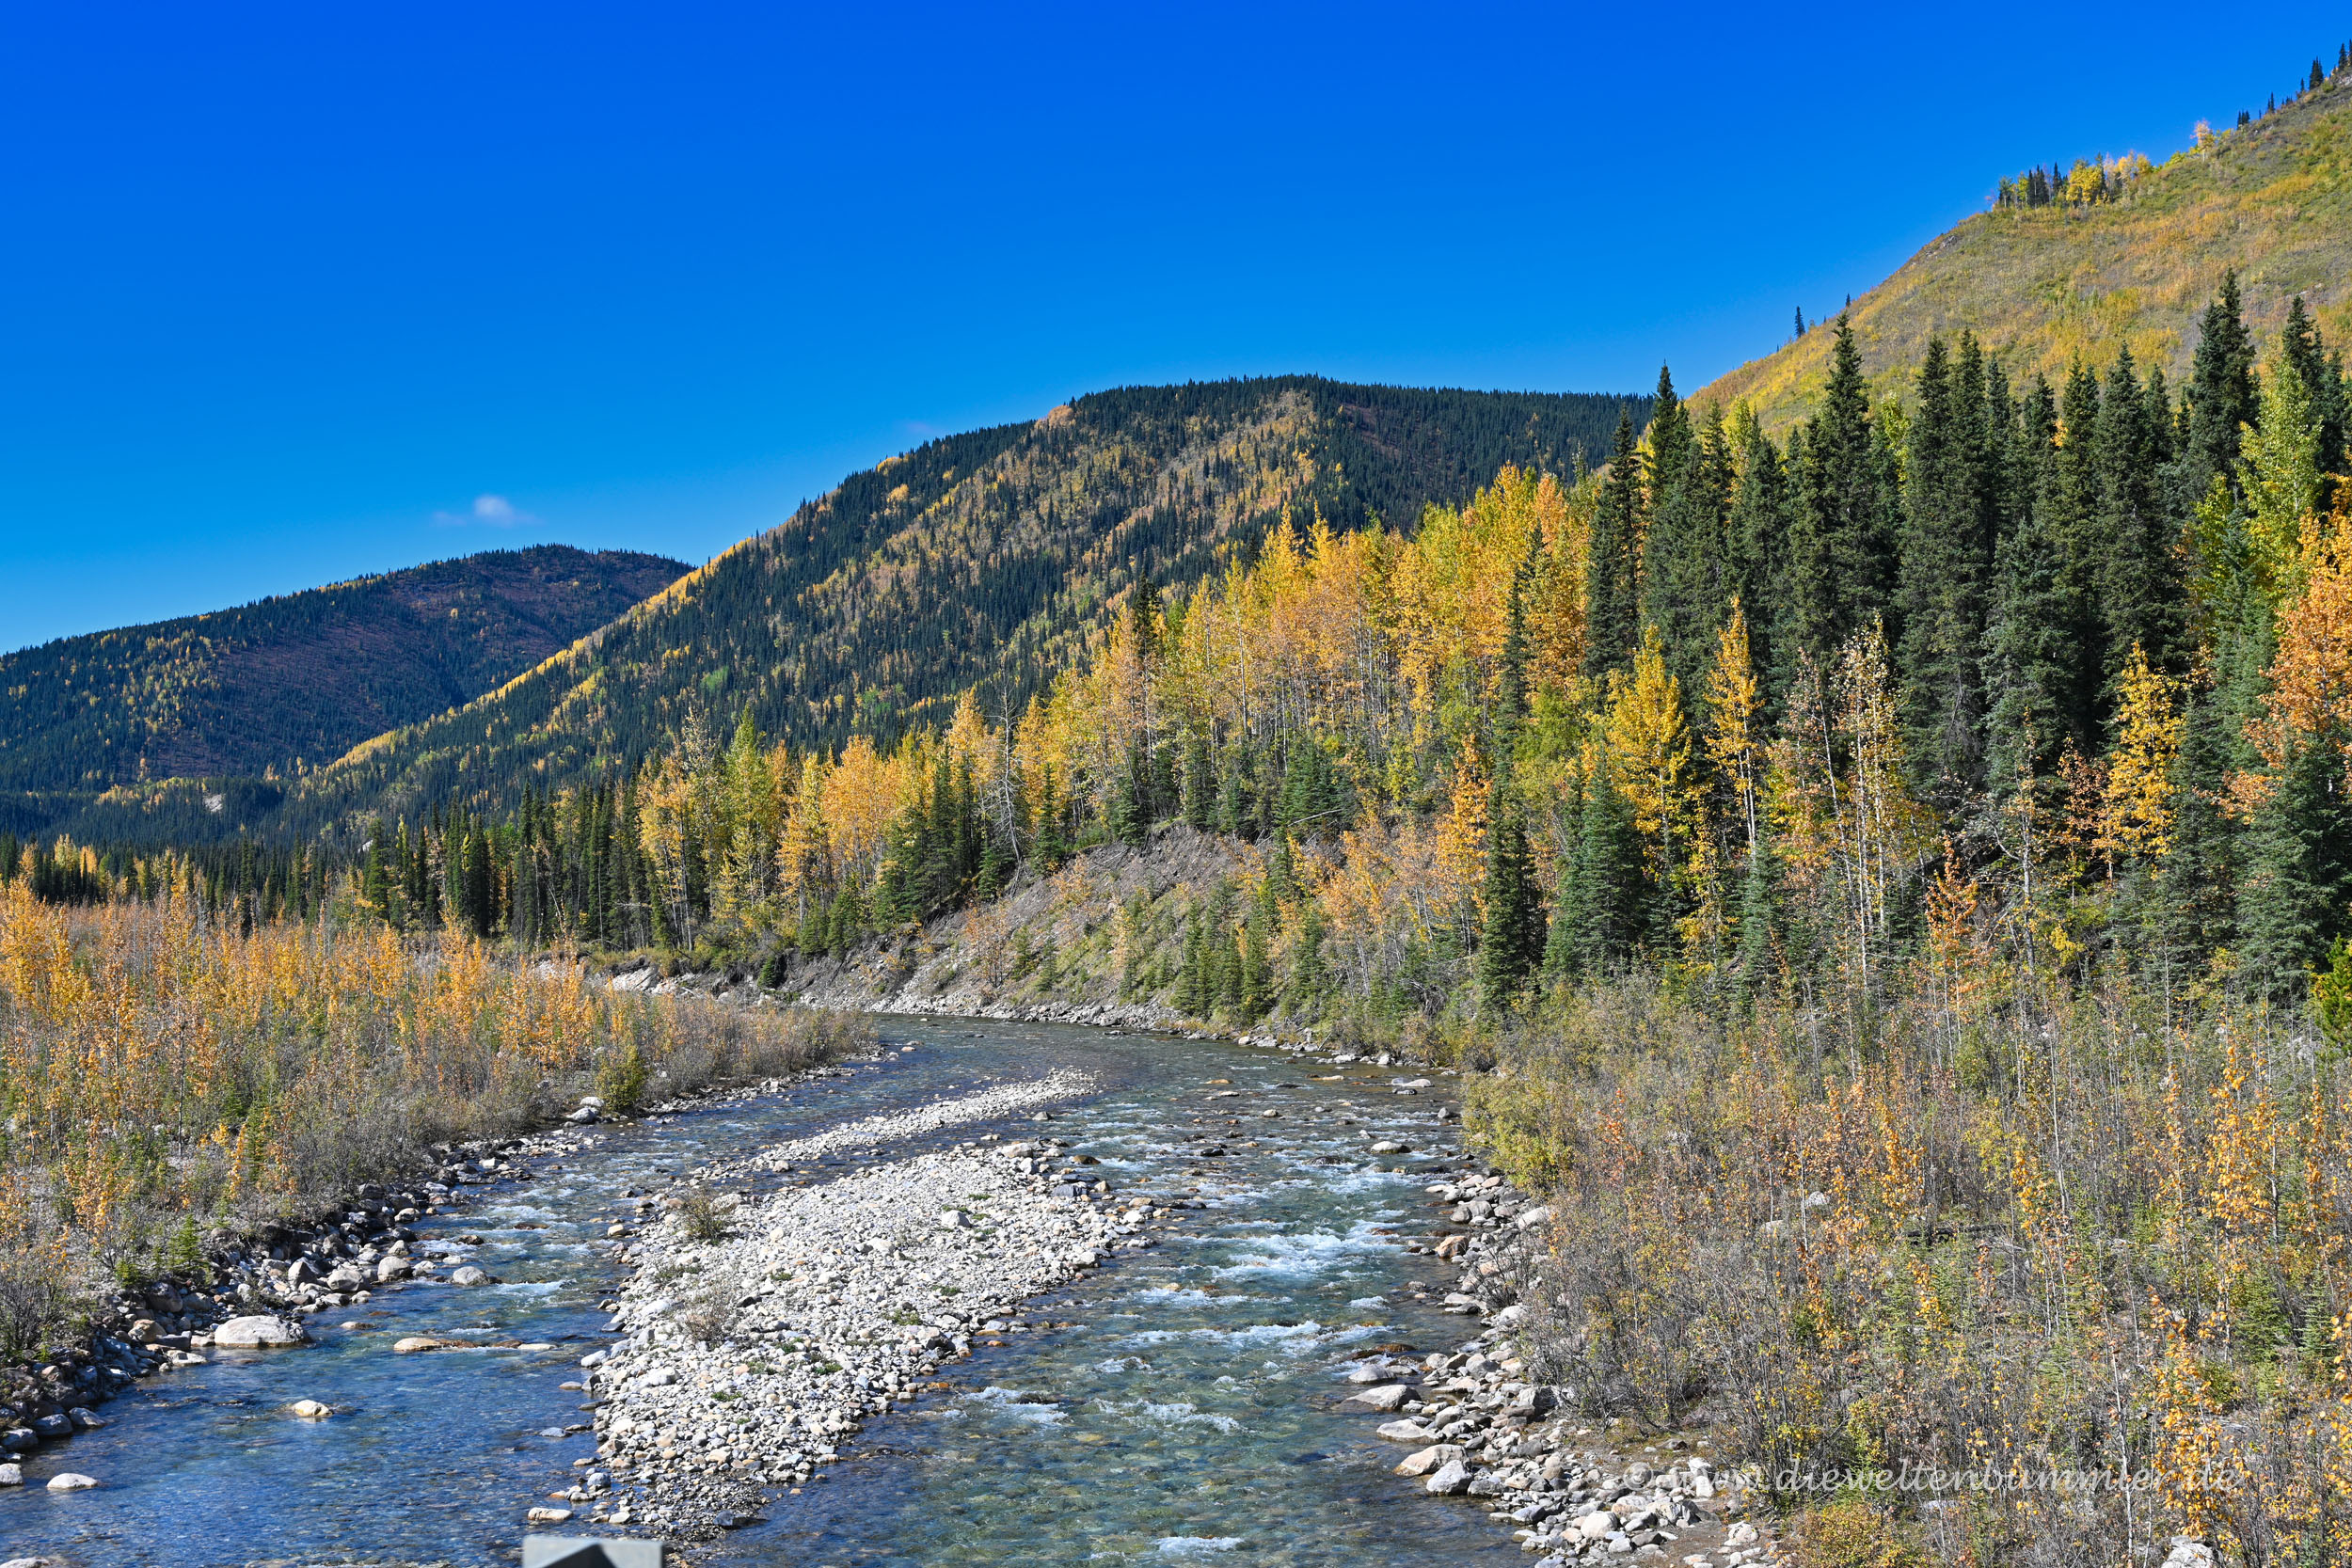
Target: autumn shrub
[
  {"x": 699, "y": 1214},
  {"x": 2105, "y": 1267},
  {"x": 163, "y": 1075}
]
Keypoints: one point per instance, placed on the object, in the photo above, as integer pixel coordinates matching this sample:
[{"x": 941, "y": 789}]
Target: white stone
[
  {"x": 1452, "y": 1477},
  {"x": 1429, "y": 1458},
  {"x": 68, "y": 1481},
  {"x": 261, "y": 1332},
  {"x": 1386, "y": 1397}
]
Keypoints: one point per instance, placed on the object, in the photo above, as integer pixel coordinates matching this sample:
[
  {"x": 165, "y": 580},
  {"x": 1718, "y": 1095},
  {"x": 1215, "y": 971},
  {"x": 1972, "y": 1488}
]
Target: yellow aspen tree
[
  {"x": 805, "y": 856},
  {"x": 1647, "y": 747},
  {"x": 1732, "y": 700},
  {"x": 2137, "y": 821},
  {"x": 2309, "y": 695}
]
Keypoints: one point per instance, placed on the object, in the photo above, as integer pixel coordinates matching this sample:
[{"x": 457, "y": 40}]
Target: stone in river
[
  {"x": 391, "y": 1270},
  {"x": 416, "y": 1342},
  {"x": 311, "y": 1410},
  {"x": 1452, "y": 1477},
  {"x": 67, "y": 1481},
  {"x": 11, "y": 1475},
  {"x": 470, "y": 1276},
  {"x": 547, "y": 1516},
  {"x": 1387, "y": 1397},
  {"x": 1430, "y": 1459},
  {"x": 1407, "y": 1431},
  {"x": 258, "y": 1333}
]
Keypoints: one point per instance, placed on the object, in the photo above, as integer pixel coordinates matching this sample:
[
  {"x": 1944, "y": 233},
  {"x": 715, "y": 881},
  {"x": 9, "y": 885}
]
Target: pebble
[{"x": 69, "y": 1480}]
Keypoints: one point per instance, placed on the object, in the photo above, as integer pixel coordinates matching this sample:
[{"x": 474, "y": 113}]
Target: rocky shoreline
[
  {"x": 251, "y": 1293},
  {"x": 1576, "y": 1489}
]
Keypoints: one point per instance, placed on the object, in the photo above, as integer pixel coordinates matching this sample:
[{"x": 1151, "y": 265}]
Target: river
[{"x": 1187, "y": 1410}]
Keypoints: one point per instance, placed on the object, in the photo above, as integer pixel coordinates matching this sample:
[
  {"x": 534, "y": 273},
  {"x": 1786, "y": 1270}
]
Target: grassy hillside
[
  {"x": 295, "y": 679},
  {"x": 2042, "y": 285},
  {"x": 986, "y": 556}
]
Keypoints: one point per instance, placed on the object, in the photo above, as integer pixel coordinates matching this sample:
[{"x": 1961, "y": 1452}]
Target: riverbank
[{"x": 256, "y": 1285}]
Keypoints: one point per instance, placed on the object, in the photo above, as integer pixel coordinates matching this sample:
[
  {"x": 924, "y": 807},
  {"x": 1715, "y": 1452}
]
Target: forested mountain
[
  {"x": 292, "y": 681},
  {"x": 985, "y": 556},
  {"x": 2106, "y": 255}
]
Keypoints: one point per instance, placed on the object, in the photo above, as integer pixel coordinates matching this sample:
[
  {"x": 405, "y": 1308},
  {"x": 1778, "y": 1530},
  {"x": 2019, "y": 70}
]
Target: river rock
[
  {"x": 1387, "y": 1397},
  {"x": 68, "y": 1481},
  {"x": 258, "y": 1333},
  {"x": 1430, "y": 1459},
  {"x": 311, "y": 1410},
  {"x": 1452, "y": 1477},
  {"x": 416, "y": 1342},
  {"x": 470, "y": 1274},
  {"x": 1406, "y": 1431},
  {"x": 11, "y": 1475},
  {"x": 547, "y": 1516}
]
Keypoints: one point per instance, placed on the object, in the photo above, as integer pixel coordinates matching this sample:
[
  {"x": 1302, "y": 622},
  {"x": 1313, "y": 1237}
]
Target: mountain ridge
[
  {"x": 268, "y": 689},
  {"x": 2039, "y": 285},
  {"x": 983, "y": 555}
]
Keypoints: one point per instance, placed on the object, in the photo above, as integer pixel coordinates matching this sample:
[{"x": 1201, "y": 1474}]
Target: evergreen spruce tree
[
  {"x": 1050, "y": 848},
  {"x": 2221, "y": 392},
  {"x": 1612, "y": 594},
  {"x": 1604, "y": 900},
  {"x": 1311, "y": 974},
  {"x": 1683, "y": 587},
  {"x": 376, "y": 885},
  {"x": 1841, "y": 548},
  {"x": 2293, "y": 891},
  {"x": 1235, "y": 808},
  {"x": 2033, "y": 661},
  {"x": 1201, "y": 792},
  {"x": 2142, "y": 594},
  {"x": 1192, "y": 988},
  {"x": 1512, "y": 937},
  {"x": 1946, "y": 572},
  {"x": 1756, "y": 542},
  {"x": 2302, "y": 346}
]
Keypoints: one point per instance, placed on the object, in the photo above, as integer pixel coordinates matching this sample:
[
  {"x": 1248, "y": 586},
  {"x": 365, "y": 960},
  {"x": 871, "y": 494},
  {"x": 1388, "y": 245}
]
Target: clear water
[{"x": 1187, "y": 1413}]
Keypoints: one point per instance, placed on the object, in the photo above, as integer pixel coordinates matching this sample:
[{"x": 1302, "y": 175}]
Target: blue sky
[{"x": 295, "y": 294}]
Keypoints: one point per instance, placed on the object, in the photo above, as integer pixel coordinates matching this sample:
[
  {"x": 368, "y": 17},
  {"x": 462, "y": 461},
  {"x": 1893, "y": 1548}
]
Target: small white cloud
[{"x": 487, "y": 510}]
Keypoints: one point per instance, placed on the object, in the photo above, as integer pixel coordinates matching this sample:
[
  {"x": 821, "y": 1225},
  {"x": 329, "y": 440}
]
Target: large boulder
[{"x": 262, "y": 1332}]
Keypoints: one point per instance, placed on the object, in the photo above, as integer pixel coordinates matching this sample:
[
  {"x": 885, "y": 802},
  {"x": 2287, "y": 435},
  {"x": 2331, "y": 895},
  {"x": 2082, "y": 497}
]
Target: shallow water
[{"x": 1185, "y": 1414}]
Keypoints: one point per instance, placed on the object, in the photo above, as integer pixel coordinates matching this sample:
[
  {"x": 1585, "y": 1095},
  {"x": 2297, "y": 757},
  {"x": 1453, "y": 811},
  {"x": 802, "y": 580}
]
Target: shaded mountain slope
[{"x": 292, "y": 680}]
